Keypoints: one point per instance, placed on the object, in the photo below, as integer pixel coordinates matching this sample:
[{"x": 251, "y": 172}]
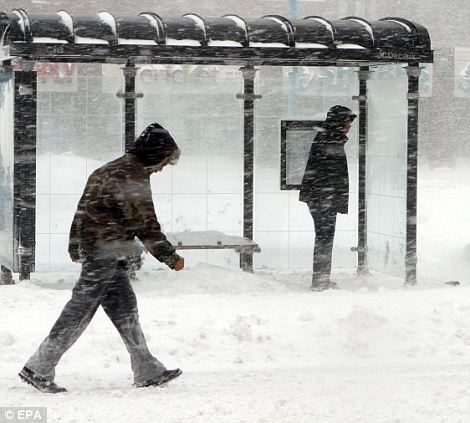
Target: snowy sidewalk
[{"x": 254, "y": 348}]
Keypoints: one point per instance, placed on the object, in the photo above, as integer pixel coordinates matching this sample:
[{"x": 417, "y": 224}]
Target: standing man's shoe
[
  {"x": 40, "y": 383},
  {"x": 324, "y": 287},
  {"x": 164, "y": 378},
  {"x": 319, "y": 288},
  {"x": 320, "y": 283}
]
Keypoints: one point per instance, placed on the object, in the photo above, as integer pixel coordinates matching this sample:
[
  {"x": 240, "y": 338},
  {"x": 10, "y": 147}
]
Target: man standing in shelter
[
  {"x": 325, "y": 189},
  {"x": 116, "y": 207}
]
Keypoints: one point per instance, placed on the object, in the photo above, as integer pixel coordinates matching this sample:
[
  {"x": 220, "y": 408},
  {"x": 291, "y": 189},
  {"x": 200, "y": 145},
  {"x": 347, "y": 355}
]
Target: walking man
[
  {"x": 116, "y": 207},
  {"x": 325, "y": 189}
]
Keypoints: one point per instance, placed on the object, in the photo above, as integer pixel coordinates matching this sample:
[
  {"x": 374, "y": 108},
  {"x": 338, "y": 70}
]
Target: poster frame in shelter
[{"x": 287, "y": 152}]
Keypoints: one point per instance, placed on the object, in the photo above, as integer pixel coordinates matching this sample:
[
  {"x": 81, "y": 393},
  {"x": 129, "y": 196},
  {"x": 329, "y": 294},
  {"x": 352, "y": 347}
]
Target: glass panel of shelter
[
  {"x": 80, "y": 127},
  {"x": 6, "y": 168},
  {"x": 386, "y": 179},
  {"x": 197, "y": 104}
]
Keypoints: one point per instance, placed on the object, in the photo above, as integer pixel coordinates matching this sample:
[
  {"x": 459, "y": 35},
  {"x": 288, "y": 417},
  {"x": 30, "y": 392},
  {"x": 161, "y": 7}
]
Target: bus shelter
[{"x": 245, "y": 96}]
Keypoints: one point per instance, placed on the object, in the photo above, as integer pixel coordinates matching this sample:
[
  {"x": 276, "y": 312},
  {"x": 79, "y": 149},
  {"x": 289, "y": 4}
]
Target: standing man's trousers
[
  {"x": 324, "y": 219},
  {"x": 103, "y": 281}
]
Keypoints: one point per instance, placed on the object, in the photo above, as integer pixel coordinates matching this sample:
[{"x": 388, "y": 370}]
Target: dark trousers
[
  {"x": 103, "y": 281},
  {"x": 324, "y": 219}
]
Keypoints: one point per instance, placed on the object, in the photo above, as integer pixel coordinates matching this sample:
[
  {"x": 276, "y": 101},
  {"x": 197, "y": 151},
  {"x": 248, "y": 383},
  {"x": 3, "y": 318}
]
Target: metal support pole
[
  {"x": 413, "y": 71},
  {"x": 292, "y": 93},
  {"x": 363, "y": 75},
  {"x": 248, "y": 97},
  {"x": 25, "y": 169},
  {"x": 130, "y": 96}
]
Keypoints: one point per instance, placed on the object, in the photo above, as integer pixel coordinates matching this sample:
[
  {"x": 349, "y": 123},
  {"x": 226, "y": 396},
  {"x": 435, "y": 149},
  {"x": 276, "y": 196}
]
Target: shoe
[
  {"x": 164, "y": 378},
  {"x": 40, "y": 383},
  {"x": 320, "y": 287}
]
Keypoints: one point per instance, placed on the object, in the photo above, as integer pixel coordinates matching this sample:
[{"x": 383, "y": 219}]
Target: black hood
[
  {"x": 154, "y": 145},
  {"x": 337, "y": 116}
]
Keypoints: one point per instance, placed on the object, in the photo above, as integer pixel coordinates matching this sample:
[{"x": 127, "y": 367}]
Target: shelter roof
[{"x": 270, "y": 40}]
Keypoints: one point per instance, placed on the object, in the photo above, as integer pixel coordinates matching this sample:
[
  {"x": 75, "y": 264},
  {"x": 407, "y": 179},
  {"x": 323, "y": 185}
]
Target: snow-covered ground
[{"x": 262, "y": 347}]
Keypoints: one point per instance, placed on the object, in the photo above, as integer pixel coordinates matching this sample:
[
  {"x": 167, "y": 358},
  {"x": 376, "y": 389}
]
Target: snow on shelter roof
[{"x": 270, "y": 40}]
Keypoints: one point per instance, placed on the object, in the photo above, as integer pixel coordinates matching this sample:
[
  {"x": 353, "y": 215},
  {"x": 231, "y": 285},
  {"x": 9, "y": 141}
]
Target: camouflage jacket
[{"x": 116, "y": 206}]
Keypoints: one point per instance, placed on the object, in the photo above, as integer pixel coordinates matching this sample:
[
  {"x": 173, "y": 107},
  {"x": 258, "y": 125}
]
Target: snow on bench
[{"x": 205, "y": 240}]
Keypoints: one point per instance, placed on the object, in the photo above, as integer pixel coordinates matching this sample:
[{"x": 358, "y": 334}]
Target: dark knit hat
[
  {"x": 154, "y": 145},
  {"x": 340, "y": 115}
]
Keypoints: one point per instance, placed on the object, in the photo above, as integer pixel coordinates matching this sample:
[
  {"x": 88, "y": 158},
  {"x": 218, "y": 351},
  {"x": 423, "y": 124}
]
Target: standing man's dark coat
[{"x": 325, "y": 188}]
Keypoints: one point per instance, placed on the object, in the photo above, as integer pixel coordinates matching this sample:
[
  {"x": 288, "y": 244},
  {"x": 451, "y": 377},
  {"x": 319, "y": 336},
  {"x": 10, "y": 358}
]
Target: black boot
[
  {"x": 320, "y": 282},
  {"x": 317, "y": 287},
  {"x": 40, "y": 383},
  {"x": 164, "y": 378}
]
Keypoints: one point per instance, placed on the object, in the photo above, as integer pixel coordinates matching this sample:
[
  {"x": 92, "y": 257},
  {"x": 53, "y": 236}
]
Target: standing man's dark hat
[{"x": 338, "y": 116}]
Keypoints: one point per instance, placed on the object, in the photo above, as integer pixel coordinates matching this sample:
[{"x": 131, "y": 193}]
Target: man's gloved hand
[{"x": 179, "y": 264}]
